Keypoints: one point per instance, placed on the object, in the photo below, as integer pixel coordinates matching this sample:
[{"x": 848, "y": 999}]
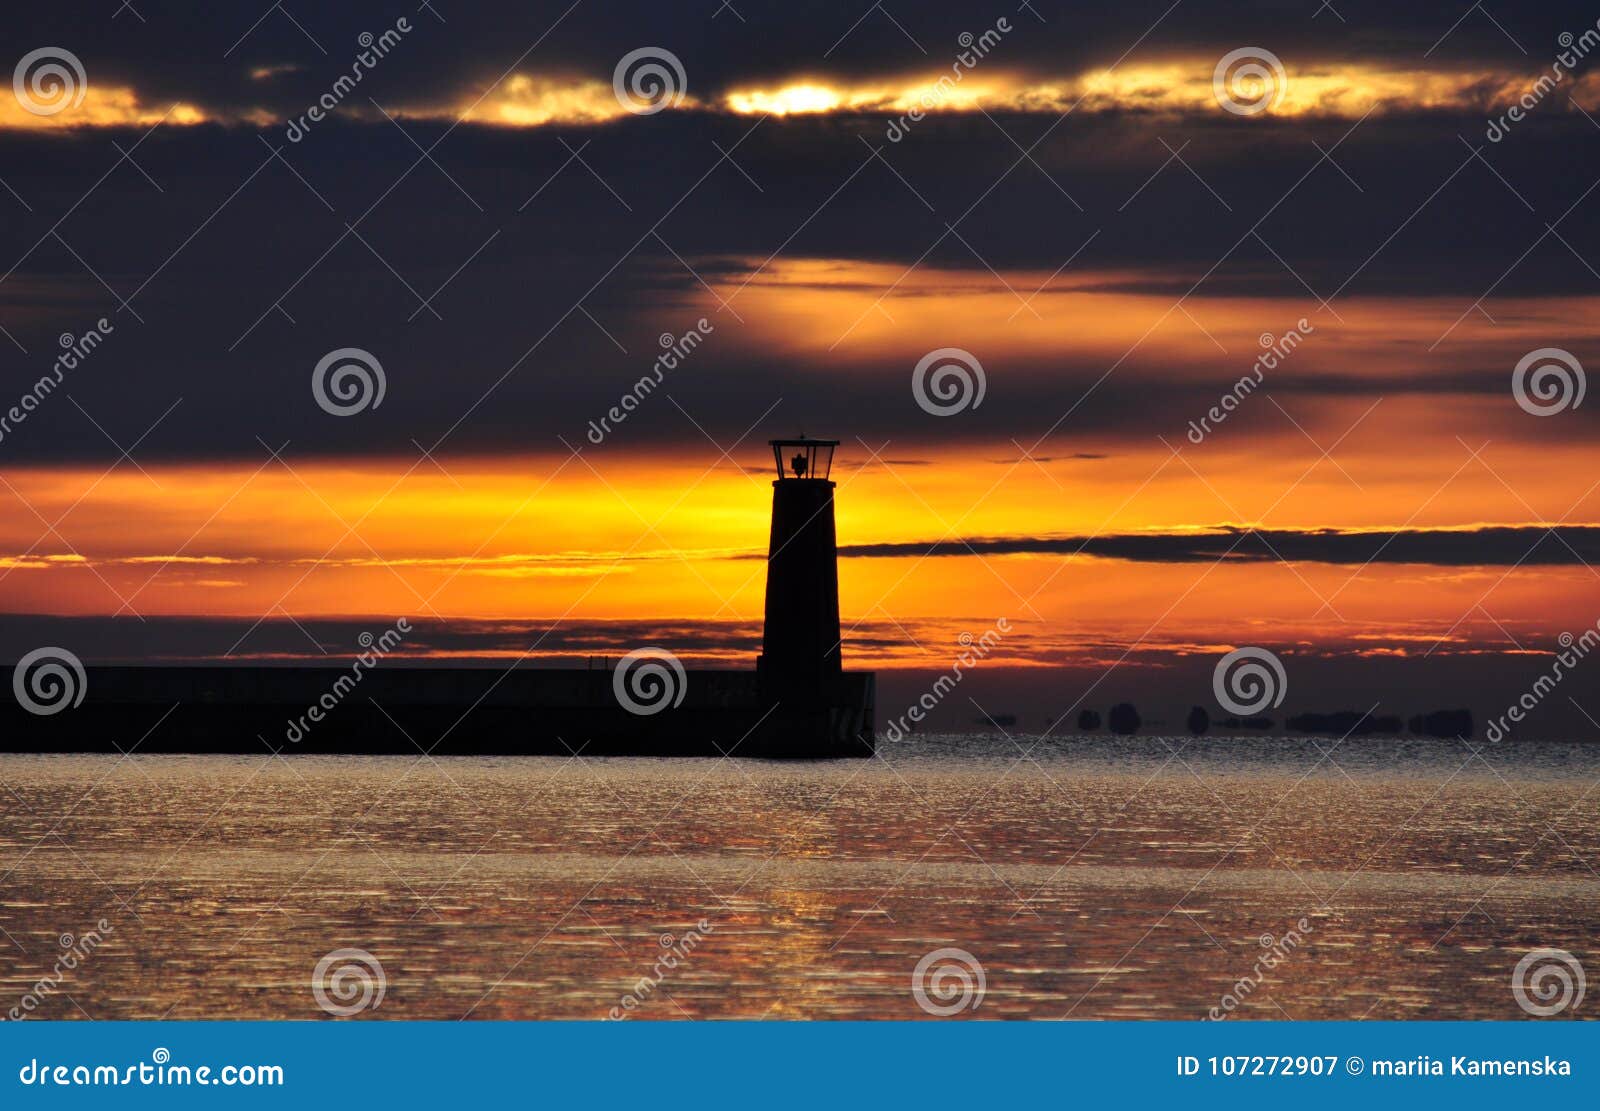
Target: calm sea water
[{"x": 1088, "y": 878}]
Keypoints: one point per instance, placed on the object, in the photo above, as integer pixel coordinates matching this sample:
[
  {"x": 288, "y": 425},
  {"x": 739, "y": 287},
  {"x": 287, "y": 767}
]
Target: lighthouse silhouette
[
  {"x": 800, "y": 647},
  {"x": 799, "y": 667}
]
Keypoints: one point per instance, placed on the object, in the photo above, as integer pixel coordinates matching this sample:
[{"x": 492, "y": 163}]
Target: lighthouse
[
  {"x": 799, "y": 668},
  {"x": 800, "y": 645}
]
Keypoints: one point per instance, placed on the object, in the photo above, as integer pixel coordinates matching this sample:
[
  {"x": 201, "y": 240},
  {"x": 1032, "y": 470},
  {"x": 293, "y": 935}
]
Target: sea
[{"x": 950, "y": 878}]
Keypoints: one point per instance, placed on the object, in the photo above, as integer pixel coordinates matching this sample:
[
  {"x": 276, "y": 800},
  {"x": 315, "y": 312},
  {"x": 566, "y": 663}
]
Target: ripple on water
[{"x": 1093, "y": 885}]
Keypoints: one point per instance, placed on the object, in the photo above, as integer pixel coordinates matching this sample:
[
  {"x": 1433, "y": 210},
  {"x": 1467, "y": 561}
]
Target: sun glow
[{"x": 790, "y": 98}]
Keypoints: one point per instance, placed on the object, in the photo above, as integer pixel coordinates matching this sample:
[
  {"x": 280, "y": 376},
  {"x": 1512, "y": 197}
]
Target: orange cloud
[
  {"x": 522, "y": 100},
  {"x": 1261, "y": 84},
  {"x": 1180, "y": 87},
  {"x": 101, "y": 106}
]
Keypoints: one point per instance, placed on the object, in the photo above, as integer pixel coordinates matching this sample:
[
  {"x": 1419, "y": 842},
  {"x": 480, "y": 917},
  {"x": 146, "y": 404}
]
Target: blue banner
[{"x": 801, "y": 1065}]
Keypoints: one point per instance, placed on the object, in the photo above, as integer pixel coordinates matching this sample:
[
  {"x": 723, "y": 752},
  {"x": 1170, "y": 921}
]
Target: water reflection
[{"x": 1092, "y": 879}]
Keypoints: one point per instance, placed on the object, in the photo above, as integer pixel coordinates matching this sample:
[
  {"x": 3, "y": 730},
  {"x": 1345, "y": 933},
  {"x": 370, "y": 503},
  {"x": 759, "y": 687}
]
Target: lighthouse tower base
[{"x": 835, "y": 719}]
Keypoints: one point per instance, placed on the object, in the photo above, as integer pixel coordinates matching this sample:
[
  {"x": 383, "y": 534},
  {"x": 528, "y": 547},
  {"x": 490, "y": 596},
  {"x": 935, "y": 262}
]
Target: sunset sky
[{"x": 1081, "y": 211}]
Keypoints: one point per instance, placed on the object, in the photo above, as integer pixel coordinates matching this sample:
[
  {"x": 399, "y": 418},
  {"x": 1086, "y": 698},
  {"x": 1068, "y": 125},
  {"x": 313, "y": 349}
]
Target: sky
[{"x": 1155, "y": 331}]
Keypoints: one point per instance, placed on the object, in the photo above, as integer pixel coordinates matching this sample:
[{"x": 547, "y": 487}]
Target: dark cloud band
[{"x": 1523, "y": 545}]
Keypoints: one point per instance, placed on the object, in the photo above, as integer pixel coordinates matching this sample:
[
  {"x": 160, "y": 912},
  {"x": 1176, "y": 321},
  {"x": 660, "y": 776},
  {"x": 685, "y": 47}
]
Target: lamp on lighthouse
[{"x": 803, "y": 458}]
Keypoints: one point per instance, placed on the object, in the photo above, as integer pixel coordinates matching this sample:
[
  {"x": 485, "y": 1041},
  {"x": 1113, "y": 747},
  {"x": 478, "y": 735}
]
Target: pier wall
[{"x": 442, "y": 711}]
